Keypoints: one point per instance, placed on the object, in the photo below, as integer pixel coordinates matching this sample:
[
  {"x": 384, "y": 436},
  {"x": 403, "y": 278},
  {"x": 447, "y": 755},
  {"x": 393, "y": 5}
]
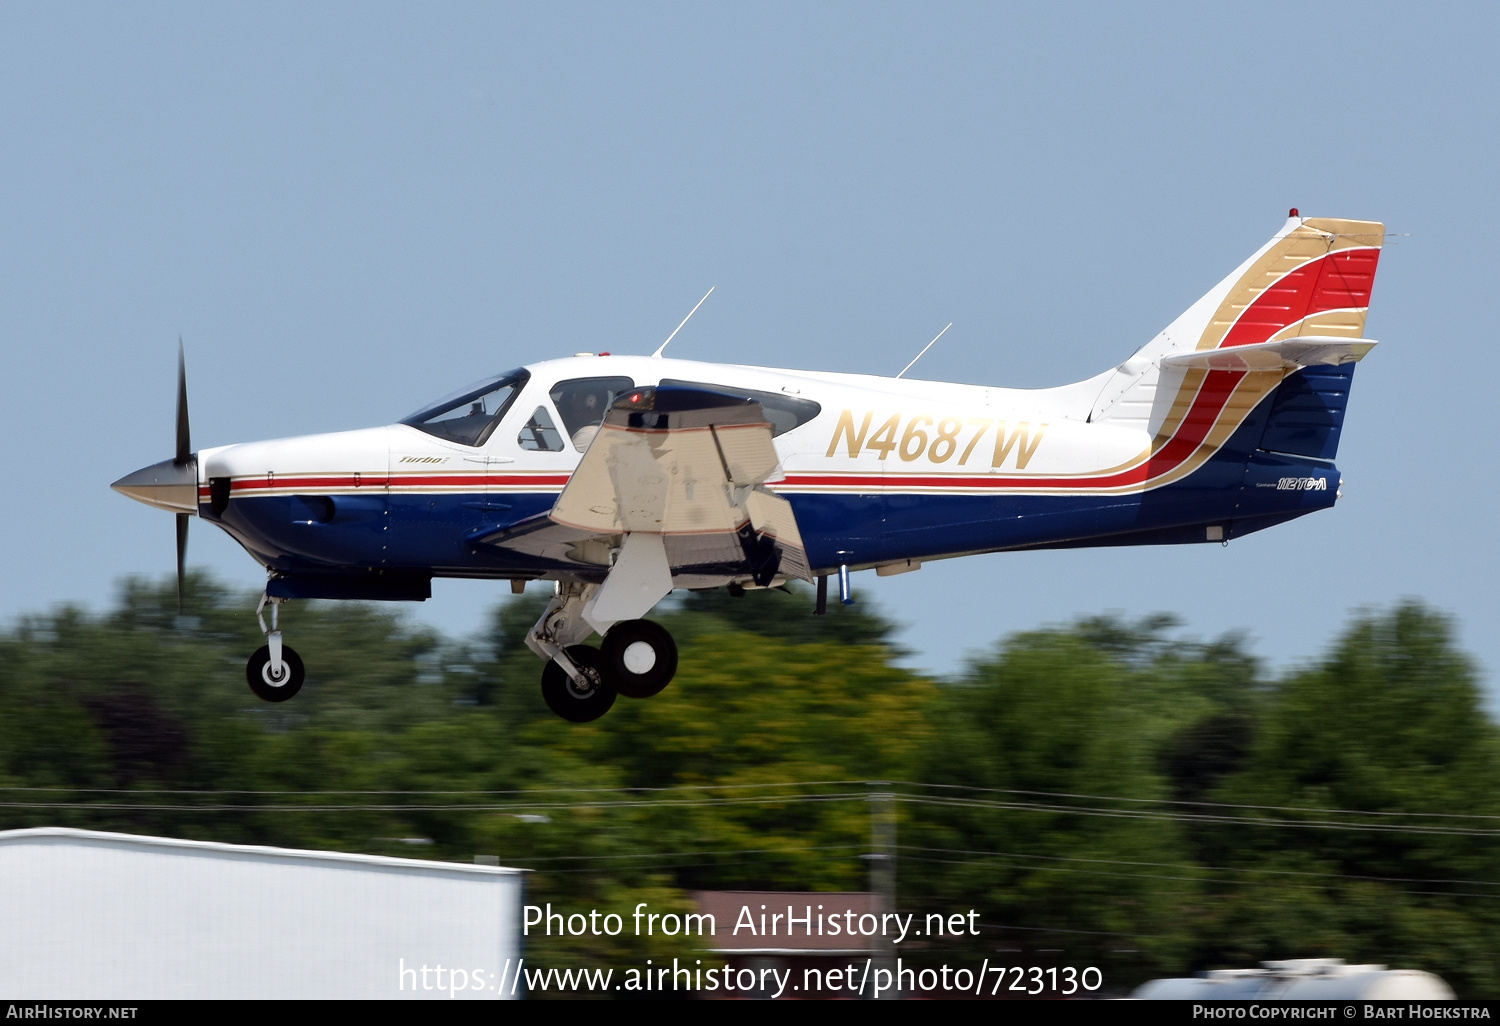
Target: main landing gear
[
  {"x": 275, "y": 671},
  {"x": 638, "y": 658},
  {"x": 581, "y": 698}
]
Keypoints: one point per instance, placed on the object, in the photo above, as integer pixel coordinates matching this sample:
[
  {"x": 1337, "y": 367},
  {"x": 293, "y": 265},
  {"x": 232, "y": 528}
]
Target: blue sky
[{"x": 347, "y": 210}]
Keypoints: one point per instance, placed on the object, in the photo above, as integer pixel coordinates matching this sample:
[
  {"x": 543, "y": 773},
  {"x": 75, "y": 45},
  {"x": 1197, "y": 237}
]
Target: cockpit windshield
[{"x": 470, "y": 415}]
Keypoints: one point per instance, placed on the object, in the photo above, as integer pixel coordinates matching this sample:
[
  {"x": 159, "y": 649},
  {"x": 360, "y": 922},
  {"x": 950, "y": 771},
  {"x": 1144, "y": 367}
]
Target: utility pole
[{"x": 883, "y": 872}]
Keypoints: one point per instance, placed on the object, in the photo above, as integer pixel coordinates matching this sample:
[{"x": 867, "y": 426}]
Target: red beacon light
[
  {"x": 1293, "y": 213},
  {"x": 604, "y": 354}
]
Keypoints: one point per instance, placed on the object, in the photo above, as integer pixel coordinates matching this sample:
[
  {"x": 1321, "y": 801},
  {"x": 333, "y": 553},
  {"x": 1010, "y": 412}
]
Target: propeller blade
[
  {"x": 182, "y": 530},
  {"x": 186, "y": 461},
  {"x": 184, "y": 442}
]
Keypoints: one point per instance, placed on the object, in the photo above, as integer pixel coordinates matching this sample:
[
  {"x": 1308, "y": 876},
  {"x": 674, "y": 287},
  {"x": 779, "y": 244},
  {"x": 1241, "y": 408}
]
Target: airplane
[{"x": 621, "y": 478}]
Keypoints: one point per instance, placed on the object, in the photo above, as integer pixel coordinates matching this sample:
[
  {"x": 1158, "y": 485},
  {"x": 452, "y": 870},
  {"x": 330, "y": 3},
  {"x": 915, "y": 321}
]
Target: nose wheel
[
  {"x": 275, "y": 671},
  {"x": 272, "y": 683}
]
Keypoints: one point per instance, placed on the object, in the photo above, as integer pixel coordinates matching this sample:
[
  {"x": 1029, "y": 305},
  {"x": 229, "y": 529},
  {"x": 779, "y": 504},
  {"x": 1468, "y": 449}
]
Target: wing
[{"x": 675, "y": 471}]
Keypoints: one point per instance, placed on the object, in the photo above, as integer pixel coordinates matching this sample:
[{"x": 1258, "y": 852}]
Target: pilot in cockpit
[
  {"x": 582, "y": 404},
  {"x": 584, "y": 414}
]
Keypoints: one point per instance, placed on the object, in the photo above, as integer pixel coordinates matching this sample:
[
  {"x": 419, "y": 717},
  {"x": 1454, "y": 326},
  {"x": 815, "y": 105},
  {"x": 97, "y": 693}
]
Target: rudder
[{"x": 1306, "y": 417}]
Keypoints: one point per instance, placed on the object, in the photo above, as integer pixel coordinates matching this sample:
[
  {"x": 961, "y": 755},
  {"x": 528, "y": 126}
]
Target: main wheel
[
  {"x": 563, "y": 694},
  {"x": 268, "y": 686},
  {"x": 641, "y": 657}
]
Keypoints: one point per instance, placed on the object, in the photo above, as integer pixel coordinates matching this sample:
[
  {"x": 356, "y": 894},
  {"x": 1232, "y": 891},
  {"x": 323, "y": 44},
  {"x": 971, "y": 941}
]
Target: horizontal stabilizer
[{"x": 1284, "y": 354}]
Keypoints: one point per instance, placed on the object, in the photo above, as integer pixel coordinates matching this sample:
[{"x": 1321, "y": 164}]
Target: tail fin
[{"x": 1312, "y": 279}]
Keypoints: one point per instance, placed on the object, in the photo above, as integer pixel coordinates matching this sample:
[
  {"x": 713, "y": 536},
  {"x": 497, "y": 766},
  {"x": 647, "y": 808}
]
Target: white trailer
[
  {"x": 91, "y": 915},
  {"x": 1301, "y": 979}
]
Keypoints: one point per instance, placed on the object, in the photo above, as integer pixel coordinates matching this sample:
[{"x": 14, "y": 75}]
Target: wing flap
[
  {"x": 684, "y": 464},
  {"x": 747, "y": 453},
  {"x": 771, "y": 516}
]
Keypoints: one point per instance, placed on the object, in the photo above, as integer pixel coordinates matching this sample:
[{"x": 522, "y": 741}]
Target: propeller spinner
[{"x": 171, "y": 484}]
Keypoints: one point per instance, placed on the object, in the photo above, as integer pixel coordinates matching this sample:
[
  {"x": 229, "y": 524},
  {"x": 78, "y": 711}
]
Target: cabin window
[
  {"x": 470, "y": 415},
  {"x": 582, "y": 404},
  {"x": 783, "y": 411},
  {"x": 539, "y": 434}
]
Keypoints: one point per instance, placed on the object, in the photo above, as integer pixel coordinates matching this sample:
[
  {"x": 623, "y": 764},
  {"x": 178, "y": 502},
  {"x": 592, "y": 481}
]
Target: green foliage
[
  {"x": 782, "y": 613},
  {"x": 1390, "y": 724},
  {"x": 1052, "y": 718},
  {"x": 1103, "y": 793},
  {"x": 744, "y": 713}
]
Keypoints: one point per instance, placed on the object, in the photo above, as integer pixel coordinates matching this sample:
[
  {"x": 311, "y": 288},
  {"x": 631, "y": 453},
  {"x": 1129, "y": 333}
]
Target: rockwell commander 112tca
[{"x": 620, "y": 478}]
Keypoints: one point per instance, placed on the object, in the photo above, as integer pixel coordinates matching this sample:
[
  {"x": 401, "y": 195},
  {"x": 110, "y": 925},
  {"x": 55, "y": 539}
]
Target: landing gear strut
[
  {"x": 275, "y": 671},
  {"x": 580, "y": 683}
]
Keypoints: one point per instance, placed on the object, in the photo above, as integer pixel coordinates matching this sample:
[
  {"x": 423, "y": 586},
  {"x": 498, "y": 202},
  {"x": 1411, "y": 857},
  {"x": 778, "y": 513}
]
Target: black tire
[
  {"x": 258, "y": 676},
  {"x": 563, "y": 696},
  {"x": 640, "y": 672}
]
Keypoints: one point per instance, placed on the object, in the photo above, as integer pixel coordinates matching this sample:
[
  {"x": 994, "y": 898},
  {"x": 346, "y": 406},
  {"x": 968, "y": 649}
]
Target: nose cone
[{"x": 167, "y": 485}]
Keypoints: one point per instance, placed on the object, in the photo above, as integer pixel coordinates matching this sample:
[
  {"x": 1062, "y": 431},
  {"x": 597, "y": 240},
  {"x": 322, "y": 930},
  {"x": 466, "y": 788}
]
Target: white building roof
[
  {"x": 145, "y": 841},
  {"x": 88, "y": 914}
]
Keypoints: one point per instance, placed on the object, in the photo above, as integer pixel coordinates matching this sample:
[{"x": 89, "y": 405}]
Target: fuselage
[
  {"x": 879, "y": 471},
  {"x": 622, "y": 478}
]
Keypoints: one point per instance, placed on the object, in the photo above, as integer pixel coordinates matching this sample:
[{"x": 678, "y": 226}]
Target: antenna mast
[
  {"x": 684, "y": 321},
  {"x": 914, "y": 359}
]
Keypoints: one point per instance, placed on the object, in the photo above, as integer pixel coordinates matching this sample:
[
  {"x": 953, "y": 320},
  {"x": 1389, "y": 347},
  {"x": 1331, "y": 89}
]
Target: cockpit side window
[
  {"x": 539, "y": 434},
  {"x": 582, "y": 404},
  {"x": 470, "y": 415},
  {"x": 783, "y": 411}
]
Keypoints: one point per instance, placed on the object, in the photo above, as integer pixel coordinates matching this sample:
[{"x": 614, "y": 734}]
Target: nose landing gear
[{"x": 275, "y": 672}]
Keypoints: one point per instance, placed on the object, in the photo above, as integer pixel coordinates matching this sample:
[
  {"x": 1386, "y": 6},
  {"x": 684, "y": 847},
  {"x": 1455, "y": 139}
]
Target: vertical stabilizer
[{"x": 1313, "y": 278}]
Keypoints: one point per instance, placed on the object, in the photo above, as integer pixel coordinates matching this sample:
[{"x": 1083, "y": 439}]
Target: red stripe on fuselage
[{"x": 307, "y": 482}]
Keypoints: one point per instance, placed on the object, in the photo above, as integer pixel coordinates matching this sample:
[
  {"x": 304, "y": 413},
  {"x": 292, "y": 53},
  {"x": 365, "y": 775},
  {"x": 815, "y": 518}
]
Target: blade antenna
[
  {"x": 684, "y": 321},
  {"x": 928, "y": 346}
]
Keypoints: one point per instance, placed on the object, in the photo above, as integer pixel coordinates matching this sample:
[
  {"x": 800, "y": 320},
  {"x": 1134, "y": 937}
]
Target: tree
[{"x": 1369, "y": 813}]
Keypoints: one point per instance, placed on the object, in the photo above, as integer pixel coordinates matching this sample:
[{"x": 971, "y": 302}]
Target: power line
[
  {"x": 1200, "y": 878},
  {"x": 526, "y": 790},
  {"x": 774, "y": 784},
  {"x": 690, "y": 854},
  {"x": 1202, "y": 804},
  {"x": 1220, "y": 869},
  {"x": 783, "y": 799},
  {"x": 859, "y": 796},
  {"x": 1184, "y": 817},
  {"x": 1201, "y": 872}
]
